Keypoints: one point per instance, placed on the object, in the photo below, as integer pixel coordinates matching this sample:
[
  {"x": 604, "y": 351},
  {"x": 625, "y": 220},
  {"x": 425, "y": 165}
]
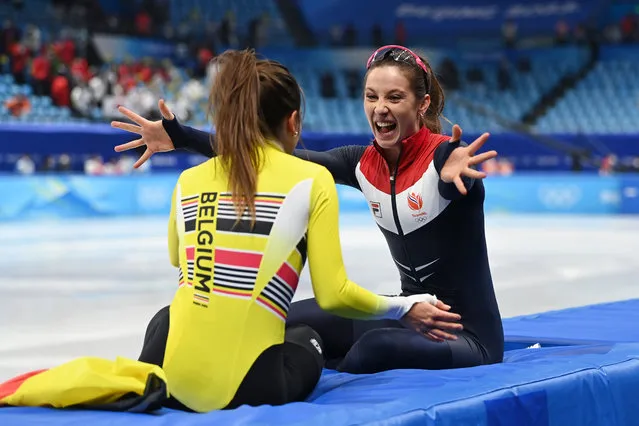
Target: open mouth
[{"x": 385, "y": 127}]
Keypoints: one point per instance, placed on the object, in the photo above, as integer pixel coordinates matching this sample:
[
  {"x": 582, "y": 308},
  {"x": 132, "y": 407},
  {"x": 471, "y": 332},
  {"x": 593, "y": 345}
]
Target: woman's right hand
[
  {"x": 433, "y": 320},
  {"x": 152, "y": 133}
]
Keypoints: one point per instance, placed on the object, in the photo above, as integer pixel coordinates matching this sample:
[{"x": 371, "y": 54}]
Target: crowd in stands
[{"x": 56, "y": 60}]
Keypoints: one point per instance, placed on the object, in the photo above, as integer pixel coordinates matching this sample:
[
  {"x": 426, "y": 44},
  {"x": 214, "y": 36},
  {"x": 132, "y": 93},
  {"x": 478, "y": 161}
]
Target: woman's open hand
[
  {"x": 461, "y": 160},
  {"x": 152, "y": 133}
]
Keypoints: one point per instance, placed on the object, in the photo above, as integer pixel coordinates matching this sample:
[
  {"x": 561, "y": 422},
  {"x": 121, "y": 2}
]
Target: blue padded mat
[
  {"x": 603, "y": 323},
  {"x": 578, "y": 384}
]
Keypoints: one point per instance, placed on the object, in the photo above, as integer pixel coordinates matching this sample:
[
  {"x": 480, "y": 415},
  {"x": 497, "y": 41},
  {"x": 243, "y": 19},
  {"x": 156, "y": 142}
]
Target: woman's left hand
[{"x": 462, "y": 159}]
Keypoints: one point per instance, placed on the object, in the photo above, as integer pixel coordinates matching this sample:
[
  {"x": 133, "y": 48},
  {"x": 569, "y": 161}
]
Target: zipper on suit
[{"x": 400, "y": 232}]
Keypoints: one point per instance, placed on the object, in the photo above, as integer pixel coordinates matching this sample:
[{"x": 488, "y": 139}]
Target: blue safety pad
[
  {"x": 577, "y": 384},
  {"x": 603, "y": 323}
]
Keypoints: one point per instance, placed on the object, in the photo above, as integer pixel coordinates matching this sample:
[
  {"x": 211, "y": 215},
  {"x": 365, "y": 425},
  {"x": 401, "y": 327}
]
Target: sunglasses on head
[{"x": 399, "y": 54}]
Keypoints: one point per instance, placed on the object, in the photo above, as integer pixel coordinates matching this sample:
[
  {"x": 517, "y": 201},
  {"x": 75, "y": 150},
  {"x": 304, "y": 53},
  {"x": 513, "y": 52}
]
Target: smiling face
[{"x": 392, "y": 109}]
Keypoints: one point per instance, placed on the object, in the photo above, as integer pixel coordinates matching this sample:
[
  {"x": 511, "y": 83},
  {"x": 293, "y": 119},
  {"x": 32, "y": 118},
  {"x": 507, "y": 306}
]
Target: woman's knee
[
  {"x": 392, "y": 348},
  {"x": 159, "y": 321},
  {"x": 155, "y": 338},
  {"x": 306, "y": 337},
  {"x": 380, "y": 339},
  {"x": 162, "y": 314},
  {"x": 372, "y": 352}
]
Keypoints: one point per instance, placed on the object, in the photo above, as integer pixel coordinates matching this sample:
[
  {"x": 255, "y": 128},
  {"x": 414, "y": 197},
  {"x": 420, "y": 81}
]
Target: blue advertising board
[{"x": 72, "y": 196}]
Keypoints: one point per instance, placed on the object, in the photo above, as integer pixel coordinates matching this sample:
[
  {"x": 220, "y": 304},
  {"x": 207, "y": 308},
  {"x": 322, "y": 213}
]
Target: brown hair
[
  {"x": 422, "y": 84},
  {"x": 249, "y": 100}
]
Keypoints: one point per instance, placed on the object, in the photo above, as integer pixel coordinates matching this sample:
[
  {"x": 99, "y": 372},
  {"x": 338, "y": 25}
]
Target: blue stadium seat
[
  {"x": 605, "y": 101},
  {"x": 25, "y": 89}
]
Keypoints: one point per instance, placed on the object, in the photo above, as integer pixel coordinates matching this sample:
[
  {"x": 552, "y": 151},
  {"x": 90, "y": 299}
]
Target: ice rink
[{"x": 89, "y": 287}]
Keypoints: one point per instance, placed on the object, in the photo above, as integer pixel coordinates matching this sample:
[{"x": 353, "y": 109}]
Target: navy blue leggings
[{"x": 360, "y": 347}]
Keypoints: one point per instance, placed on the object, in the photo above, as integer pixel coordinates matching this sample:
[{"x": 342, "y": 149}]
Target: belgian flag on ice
[{"x": 90, "y": 383}]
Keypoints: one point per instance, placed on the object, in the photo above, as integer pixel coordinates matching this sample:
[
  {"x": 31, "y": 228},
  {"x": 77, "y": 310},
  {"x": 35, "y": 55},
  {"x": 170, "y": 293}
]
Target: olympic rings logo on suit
[{"x": 559, "y": 196}]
